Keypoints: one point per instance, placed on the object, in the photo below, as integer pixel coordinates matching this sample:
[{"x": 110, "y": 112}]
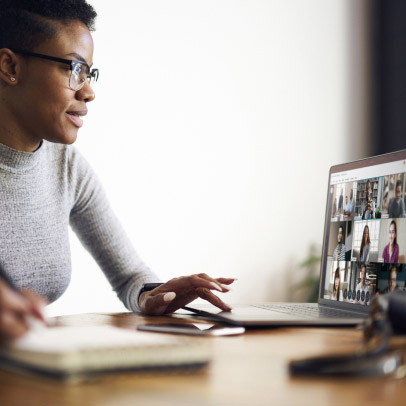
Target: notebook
[
  {"x": 75, "y": 353},
  {"x": 364, "y": 249}
]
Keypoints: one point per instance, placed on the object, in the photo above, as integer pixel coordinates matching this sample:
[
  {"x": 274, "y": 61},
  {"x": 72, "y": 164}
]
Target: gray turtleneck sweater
[{"x": 41, "y": 193}]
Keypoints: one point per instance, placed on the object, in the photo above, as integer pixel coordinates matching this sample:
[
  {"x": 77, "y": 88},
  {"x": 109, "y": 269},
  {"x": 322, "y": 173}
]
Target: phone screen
[{"x": 199, "y": 329}]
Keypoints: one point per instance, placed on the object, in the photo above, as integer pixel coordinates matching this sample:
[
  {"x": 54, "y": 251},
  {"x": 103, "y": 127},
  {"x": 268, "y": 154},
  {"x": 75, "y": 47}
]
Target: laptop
[{"x": 363, "y": 254}]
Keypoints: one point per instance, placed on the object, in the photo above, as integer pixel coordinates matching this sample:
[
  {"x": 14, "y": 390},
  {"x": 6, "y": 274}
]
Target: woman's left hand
[{"x": 178, "y": 292}]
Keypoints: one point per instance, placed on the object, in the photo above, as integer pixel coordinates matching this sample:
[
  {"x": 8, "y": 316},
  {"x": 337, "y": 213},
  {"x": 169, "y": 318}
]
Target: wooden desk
[{"x": 246, "y": 370}]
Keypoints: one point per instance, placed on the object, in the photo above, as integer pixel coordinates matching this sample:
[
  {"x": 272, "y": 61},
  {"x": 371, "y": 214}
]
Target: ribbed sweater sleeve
[{"x": 99, "y": 230}]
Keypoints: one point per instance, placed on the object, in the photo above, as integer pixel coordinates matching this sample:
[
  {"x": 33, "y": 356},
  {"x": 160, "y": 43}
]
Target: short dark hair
[
  {"x": 25, "y": 23},
  {"x": 398, "y": 183}
]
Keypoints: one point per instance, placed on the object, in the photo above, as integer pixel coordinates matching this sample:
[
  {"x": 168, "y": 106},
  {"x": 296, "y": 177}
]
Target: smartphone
[{"x": 195, "y": 329}]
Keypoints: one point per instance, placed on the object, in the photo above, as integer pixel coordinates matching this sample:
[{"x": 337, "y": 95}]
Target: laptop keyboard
[{"x": 308, "y": 310}]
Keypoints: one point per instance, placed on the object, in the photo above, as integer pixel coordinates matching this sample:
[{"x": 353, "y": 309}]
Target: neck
[{"x": 14, "y": 134}]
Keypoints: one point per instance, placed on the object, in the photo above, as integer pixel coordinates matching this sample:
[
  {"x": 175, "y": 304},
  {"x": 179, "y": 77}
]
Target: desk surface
[{"x": 246, "y": 370}]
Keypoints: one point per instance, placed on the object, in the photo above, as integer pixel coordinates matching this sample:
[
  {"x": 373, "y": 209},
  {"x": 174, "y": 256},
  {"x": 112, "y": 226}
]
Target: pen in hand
[{"x": 20, "y": 311}]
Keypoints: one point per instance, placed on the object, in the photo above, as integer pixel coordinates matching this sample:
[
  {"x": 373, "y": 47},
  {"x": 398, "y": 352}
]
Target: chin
[
  {"x": 69, "y": 136},
  {"x": 64, "y": 139},
  {"x": 70, "y": 140}
]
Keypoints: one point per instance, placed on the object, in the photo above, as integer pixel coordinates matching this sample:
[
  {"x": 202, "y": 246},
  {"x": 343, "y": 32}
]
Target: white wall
[{"x": 213, "y": 129}]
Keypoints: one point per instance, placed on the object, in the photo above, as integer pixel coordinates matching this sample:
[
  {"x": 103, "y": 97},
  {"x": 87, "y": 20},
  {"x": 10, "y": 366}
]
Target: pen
[
  {"x": 32, "y": 322},
  {"x": 7, "y": 279}
]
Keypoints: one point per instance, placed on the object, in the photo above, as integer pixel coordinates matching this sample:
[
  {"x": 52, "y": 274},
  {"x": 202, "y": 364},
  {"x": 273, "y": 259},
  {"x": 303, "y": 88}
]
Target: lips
[{"x": 75, "y": 117}]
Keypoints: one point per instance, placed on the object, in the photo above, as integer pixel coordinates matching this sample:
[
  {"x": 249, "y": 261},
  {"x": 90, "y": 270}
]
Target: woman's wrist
[{"x": 146, "y": 287}]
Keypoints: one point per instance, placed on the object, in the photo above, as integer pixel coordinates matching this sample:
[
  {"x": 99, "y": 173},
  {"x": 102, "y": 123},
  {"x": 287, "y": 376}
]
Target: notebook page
[{"x": 66, "y": 339}]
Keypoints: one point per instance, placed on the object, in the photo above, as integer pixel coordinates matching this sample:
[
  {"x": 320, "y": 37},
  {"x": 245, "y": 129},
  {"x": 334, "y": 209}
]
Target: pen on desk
[{"x": 32, "y": 322}]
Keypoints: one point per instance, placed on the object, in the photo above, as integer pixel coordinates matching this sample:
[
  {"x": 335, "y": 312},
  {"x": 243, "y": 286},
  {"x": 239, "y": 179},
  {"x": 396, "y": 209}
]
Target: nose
[{"x": 86, "y": 93}]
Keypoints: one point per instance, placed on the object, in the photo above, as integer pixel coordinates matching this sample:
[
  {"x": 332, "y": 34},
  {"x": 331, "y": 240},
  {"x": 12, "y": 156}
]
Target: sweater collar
[{"x": 16, "y": 161}]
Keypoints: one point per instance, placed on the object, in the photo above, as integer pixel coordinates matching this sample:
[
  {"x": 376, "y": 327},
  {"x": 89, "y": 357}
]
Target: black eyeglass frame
[{"x": 91, "y": 73}]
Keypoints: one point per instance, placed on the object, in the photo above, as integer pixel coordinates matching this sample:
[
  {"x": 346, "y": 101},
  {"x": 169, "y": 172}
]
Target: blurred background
[{"x": 215, "y": 125}]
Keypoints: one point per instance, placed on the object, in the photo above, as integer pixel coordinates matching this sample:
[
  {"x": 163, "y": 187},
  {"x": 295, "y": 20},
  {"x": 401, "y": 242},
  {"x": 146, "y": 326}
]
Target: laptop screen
[{"x": 365, "y": 233}]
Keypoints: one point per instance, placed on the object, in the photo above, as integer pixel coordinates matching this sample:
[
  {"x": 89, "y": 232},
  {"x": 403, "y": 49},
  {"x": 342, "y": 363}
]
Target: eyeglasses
[{"x": 80, "y": 71}]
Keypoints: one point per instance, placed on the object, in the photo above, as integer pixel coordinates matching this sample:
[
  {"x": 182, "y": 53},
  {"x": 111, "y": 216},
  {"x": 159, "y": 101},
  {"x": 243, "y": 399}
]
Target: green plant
[{"x": 309, "y": 283}]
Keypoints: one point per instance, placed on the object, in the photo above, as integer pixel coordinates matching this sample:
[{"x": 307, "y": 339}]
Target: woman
[
  {"x": 391, "y": 251},
  {"x": 340, "y": 249},
  {"x": 337, "y": 285},
  {"x": 46, "y": 51},
  {"x": 334, "y": 210},
  {"x": 392, "y": 280},
  {"x": 365, "y": 245}
]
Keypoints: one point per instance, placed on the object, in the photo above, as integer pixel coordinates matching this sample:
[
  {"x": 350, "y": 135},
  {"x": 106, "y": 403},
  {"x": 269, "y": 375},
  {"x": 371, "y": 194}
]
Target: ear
[{"x": 9, "y": 67}]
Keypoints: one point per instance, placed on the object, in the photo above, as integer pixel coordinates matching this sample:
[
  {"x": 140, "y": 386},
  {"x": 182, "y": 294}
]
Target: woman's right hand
[{"x": 15, "y": 310}]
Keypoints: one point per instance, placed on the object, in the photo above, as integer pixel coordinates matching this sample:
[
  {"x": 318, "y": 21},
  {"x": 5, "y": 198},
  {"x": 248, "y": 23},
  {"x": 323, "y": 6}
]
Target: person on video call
[
  {"x": 396, "y": 206},
  {"x": 341, "y": 202},
  {"x": 391, "y": 251},
  {"x": 46, "y": 55},
  {"x": 368, "y": 207},
  {"x": 339, "y": 251},
  {"x": 334, "y": 209},
  {"x": 350, "y": 207},
  {"x": 362, "y": 287},
  {"x": 365, "y": 245},
  {"x": 392, "y": 280},
  {"x": 337, "y": 286}
]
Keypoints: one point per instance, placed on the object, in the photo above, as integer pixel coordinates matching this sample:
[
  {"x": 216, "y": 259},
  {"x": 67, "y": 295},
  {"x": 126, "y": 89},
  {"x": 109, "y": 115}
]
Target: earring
[{"x": 12, "y": 79}]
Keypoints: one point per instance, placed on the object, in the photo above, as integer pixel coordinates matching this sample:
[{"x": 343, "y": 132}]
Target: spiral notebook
[{"x": 81, "y": 352}]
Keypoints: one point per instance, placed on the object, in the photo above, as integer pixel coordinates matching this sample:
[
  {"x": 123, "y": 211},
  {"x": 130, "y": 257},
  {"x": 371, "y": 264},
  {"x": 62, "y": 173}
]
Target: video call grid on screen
[{"x": 366, "y": 241}]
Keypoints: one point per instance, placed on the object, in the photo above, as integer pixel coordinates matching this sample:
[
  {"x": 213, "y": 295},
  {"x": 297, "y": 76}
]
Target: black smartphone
[{"x": 195, "y": 329}]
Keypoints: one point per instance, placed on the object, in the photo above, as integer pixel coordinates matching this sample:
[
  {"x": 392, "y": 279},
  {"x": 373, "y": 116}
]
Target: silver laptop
[{"x": 364, "y": 249}]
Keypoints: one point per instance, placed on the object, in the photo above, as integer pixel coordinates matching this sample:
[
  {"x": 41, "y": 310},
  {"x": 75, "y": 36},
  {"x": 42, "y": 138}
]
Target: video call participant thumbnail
[
  {"x": 336, "y": 286},
  {"x": 368, "y": 206},
  {"x": 363, "y": 296},
  {"x": 349, "y": 209},
  {"x": 391, "y": 251},
  {"x": 392, "y": 280},
  {"x": 396, "y": 206},
  {"x": 341, "y": 201},
  {"x": 340, "y": 249},
  {"x": 334, "y": 209},
  {"x": 365, "y": 245},
  {"x": 366, "y": 237}
]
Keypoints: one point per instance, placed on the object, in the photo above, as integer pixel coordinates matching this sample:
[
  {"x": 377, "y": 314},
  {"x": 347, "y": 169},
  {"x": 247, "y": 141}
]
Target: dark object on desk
[
  {"x": 388, "y": 312},
  {"x": 193, "y": 329},
  {"x": 350, "y": 365},
  {"x": 387, "y": 318},
  {"x": 396, "y": 311}
]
